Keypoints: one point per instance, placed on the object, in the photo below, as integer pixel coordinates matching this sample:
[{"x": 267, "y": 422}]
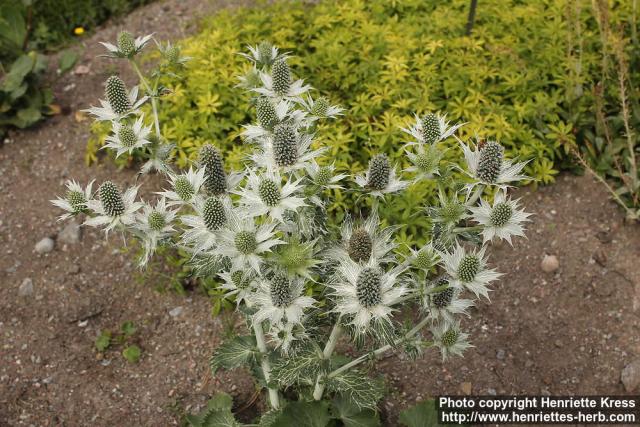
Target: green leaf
[
  {"x": 268, "y": 418},
  {"x": 307, "y": 414},
  {"x": 17, "y": 73},
  {"x": 231, "y": 354},
  {"x": 128, "y": 328},
  {"x": 301, "y": 369},
  {"x": 216, "y": 414},
  {"x": 12, "y": 26},
  {"x": 68, "y": 59},
  {"x": 362, "y": 390},
  {"x": 220, "y": 402},
  {"x": 103, "y": 341},
  {"x": 352, "y": 416},
  {"x": 132, "y": 353},
  {"x": 27, "y": 116},
  {"x": 423, "y": 414}
]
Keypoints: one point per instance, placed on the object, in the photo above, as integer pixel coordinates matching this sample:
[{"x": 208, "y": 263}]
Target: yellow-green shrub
[{"x": 513, "y": 80}]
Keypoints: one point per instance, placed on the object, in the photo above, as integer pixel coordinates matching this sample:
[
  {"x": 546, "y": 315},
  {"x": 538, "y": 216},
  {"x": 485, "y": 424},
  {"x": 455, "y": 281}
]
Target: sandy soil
[{"x": 567, "y": 332}]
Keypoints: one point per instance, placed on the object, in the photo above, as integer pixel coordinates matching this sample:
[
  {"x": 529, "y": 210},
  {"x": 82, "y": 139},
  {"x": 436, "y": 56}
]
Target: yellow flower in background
[{"x": 78, "y": 31}]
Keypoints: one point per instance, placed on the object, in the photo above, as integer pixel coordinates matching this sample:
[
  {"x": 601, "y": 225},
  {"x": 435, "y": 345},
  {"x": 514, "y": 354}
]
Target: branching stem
[
  {"x": 274, "y": 399},
  {"x": 336, "y": 332},
  {"x": 151, "y": 93}
]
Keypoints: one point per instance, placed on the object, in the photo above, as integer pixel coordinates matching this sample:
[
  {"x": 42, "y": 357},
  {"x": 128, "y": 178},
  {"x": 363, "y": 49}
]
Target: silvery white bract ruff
[{"x": 269, "y": 234}]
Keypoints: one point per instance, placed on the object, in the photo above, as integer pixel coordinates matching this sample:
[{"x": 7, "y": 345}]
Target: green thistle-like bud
[
  {"x": 451, "y": 211},
  {"x": 428, "y": 161},
  {"x": 246, "y": 242},
  {"x": 320, "y": 107},
  {"x": 77, "y": 200},
  {"x": 183, "y": 188},
  {"x": 156, "y": 221},
  {"x": 266, "y": 113},
  {"x": 126, "y": 44},
  {"x": 215, "y": 177},
  {"x": 368, "y": 286},
  {"x": 379, "y": 172},
  {"x": 172, "y": 54},
  {"x": 265, "y": 52},
  {"x": 285, "y": 145},
  {"x": 213, "y": 213},
  {"x": 450, "y": 337},
  {"x": 360, "y": 245},
  {"x": 281, "y": 76},
  {"x": 468, "y": 268},
  {"x": 294, "y": 255},
  {"x": 281, "y": 295},
  {"x": 425, "y": 259},
  {"x": 444, "y": 297},
  {"x": 117, "y": 96},
  {"x": 127, "y": 136},
  {"x": 111, "y": 199},
  {"x": 238, "y": 278},
  {"x": 490, "y": 162},
  {"x": 501, "y": 214},
  {"x": 269, "y": 192},
  {"x": 252, "y": 78},
  {"x": 324, "y": 176},
  {"x": 431, "y": 128}
]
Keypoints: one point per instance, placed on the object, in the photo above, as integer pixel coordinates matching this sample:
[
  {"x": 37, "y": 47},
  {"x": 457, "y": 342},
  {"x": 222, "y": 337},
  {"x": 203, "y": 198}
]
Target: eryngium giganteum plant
[{"x": 304, "y": 283}]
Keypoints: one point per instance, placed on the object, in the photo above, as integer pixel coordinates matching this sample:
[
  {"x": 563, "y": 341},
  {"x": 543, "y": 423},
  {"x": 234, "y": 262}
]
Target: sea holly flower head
[
  {"x": 264, "y": 54},
  {"x": 119, "y": 103},
  {"x": 185, "y": 187},
  {"x": 469, "y": 269},
  {"x": 264, "y": 193},
  {"x": 320, "y": 108},
  {"x": 154, "y": 225},
  {"x": 424, "y": 258},
  {"x": 286, "y": 335},
  {"x": 487, "y": 165},
  {"x": 450, "y": 339},
  {"x": 297, "y": 257},
  {"x": 113, "y": 208},
  {"x": 324, "y": 176},
  {"x": 425, "y": 162},
  {"x": 126, "y": 138},
  {"x": 238, "y": 284},
  {"x": 380, "y": 178},
  {"x": 450, "y": 210},
  {"x": 431, "y": 128},
  {"x": 364, "y": 240},
  {"x": 279, "y": 83},
  {"x": 503, "y": 219},
  {"x": 202, "y": 229},
  {"x": 441, "y": 299},
  {"x": 126, "y": 46},
  {"x": 75, "y": 200},
  {"x": 279, "y": 299}
]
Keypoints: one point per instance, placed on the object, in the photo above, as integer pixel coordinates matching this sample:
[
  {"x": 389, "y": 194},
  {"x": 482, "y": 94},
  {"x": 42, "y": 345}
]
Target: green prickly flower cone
[
  {"x": 379, "y": 172},
  {"x": 183, "y": 188},
  {"x": 469, "y": 267},
  {"x": 490, "y": 162},
  {"x": 269, "y": 192},
  {"x": 245, "y": 242},
  {"x": 281, "y": 294},
  {"x": 320, "y": 107},
  {"x": 265, "y": 53},
  {"x": 213, "y": 213},
  {"x": 285, "y": 145},
  {"x": 126, "y": 44},
  {"x": 360, "y": 245},
  {"x": 215, "y": 176},
  {"x": 281, "y": 75},
  {"x": 266, "y": 113},
  {"x": 368, "y": 287},
  {"x": 77, "y": 200},
  {"x": 127, "y": 136},
  {"x": 156, "y": 221},
  {"x": 450, "y": 337},
  {"x": 117, "y": 96},
  {"x": 111, "y": 199},
  {"x": 431, "y": 129},
  {"x": 501, "y": 214},
  {"x": 173, "y": 54}
]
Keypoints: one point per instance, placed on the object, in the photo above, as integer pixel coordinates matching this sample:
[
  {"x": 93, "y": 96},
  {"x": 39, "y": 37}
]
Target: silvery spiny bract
[{"x": 269, "y": 233}]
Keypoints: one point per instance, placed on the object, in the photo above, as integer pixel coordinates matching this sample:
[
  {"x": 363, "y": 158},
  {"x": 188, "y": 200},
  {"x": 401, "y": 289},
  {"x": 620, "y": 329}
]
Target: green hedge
[{"x": 514, "y": 79}]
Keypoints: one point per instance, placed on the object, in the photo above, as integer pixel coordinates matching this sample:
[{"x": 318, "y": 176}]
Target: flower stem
[
  {"x": 274, "y": 399},
  {"x": 476, "y": 194},
  {"x": 326, "y": 354},
  {"x": 151, "y": 93},
  {"x": 379, "y": 351}
]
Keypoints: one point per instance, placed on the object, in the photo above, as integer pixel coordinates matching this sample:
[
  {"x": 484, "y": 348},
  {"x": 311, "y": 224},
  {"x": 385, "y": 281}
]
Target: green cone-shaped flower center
[
  {"x": 215, "y": 176},
  {"x": 111, "y": 199},
  {"x": 294, "y": 255},
  {"x": 117, "y": 96},
  {"x": 77, "y": 200},
  {"x": 285, "y": 145},
  {"x": 368, "y": 287},
  {"x": 265, "y": 51},
  {"x": 127, "y": 136},
  {"x": 246, "y": 242},
  {"x": 324, "y": 176},
  {"x": 157, "y": 221},
  {"x": 443, "y": 298},
  {"x": 320, "y": 107},
  {"x": 173, "y": 54},
  {"x": 450, "y": 337},
  {"x": 426, "y": 162},
  {"x": 490, "y": 162},
  {"x": 431, "y": 129},
  {"x": 281, "y": 75},
  {"x": 468, "y": 268},
  {"x": 281, "y": 295},
  {"x": 238, "y": 278},
  {"x": 126, "y": 44},
  {"x": 360, "y": 245},
  {"x": 452, "y": 211},
  {"x": 501, "y": 214},
  {"x": 213, "y": 213},
  {"x": 269, "y": 192},
  {"x": 266, "y": 113},
  {"x": 183, "y": 188},
  {"x": 379, "y": 172}
]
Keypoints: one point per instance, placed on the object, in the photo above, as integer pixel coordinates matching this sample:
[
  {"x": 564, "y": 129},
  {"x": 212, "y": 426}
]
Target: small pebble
[
  {"x": 549, "y": 263},
  {"x": 176, "y": 312},
  {"x": 45, "y": 245},
  {"x": 630, "y": 376},
  {"x": 26, "y": 288}
]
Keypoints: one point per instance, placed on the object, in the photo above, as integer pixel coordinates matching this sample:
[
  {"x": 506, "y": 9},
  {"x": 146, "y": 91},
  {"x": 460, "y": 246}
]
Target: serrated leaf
[
  {"x": 231, "y": 354},
  {"x": 352, "y": 416},
  {"x": 423, "y": 414},
  {"x": 268, "y": 418},
  {"x": 216, "y": 414},
  {"x": 301, "y": 369},
  {"x": 307, "y": 414},
  {"x": 362, "y": 390}
]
